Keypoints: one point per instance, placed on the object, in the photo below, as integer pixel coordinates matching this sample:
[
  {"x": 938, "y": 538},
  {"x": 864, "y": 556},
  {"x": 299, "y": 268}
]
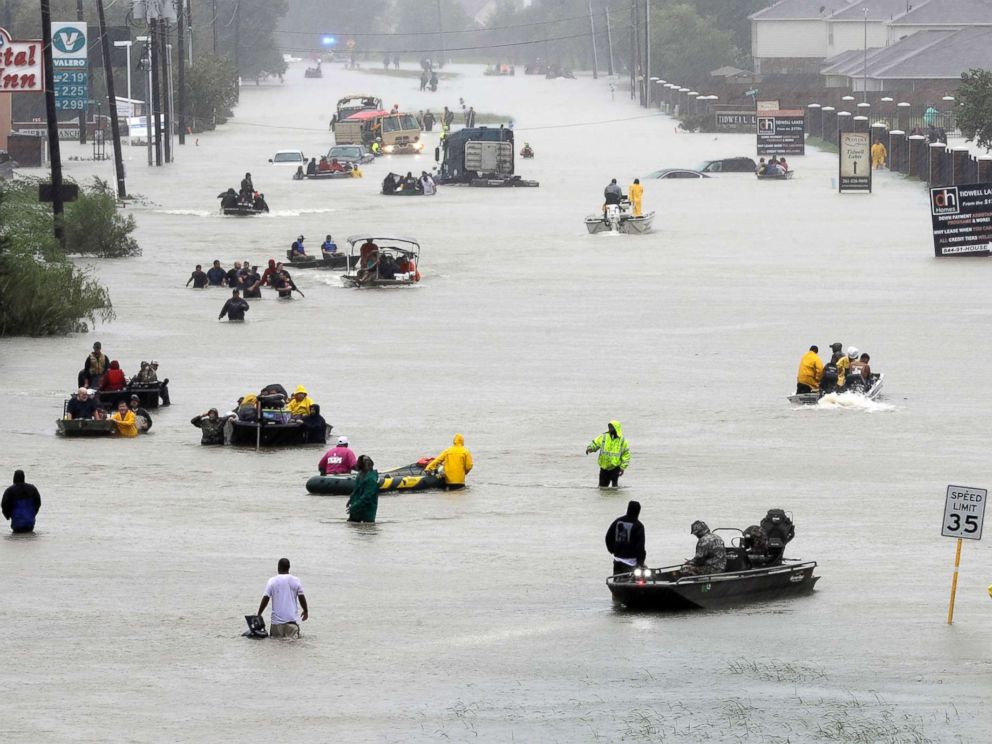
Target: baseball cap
[{"x": 342, "y": 440}]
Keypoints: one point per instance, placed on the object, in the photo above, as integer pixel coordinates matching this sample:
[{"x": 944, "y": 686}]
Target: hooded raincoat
[
  {"x": 810, "y": 370},
  {"x": 127, "y": 425},
  {"x": 364, "y": 501},
  {"x": 300, "y": 408},
  {"x": 636, "y": 193},
  {"x": 457, "y": 462},
  {"x": 614, "y": 452}
]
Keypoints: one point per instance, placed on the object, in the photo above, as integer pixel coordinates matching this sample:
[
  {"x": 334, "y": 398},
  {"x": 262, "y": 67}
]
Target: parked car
[
  {"x": 350, "y": 154},
  {"x": 291, "y": 158},
  {"x": 6, "y": 166},
  {"x": 676, "y": 173},
  {"x": 729, "y": 165}
]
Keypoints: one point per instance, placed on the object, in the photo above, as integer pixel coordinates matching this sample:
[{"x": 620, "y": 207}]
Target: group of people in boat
[
  {"x": 328, "y": 249},
  {"x": 776, "y": 166},
  {"x": 271, "y": 405},
  {"x": 375, "y": 263},
  {"x": 847, "y": 371},
  {"x": 246, "y": 197},
  {"x": 613, "y": 195},
  {"x": 625, "y": 541},
  {"x": 395, "y": 183},
  {"x": 130, "y": 416},
  {"x": 323, "y": 166},
  {"x": 99, "y": 372}
]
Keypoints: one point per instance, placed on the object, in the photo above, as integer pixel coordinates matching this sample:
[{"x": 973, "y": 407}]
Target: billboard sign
[
  {"x": 961, "y": 218},
  {"x": 70, "y": 65},
  {"x": 781, "y": 132},
  {"x": 854, "y": 159},
  {"x": 21, "y": 65}
]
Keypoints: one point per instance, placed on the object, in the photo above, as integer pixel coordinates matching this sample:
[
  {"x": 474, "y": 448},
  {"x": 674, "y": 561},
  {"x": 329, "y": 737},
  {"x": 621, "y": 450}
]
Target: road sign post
[{"x": 964, "y": 514}]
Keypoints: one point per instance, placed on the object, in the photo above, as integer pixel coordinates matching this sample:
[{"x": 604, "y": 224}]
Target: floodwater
[{"x": 483, "y": 615}]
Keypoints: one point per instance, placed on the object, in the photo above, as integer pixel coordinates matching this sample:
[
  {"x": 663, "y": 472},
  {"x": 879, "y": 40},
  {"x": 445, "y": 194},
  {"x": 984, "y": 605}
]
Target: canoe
[
  {"x": 407, "y": 478},
  {"x": 661, "y": 590},
  {"x": 86, "y": 427}
]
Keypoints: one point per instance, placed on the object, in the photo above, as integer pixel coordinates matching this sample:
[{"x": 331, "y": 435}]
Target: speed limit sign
[{"x": 964, "y": 511}]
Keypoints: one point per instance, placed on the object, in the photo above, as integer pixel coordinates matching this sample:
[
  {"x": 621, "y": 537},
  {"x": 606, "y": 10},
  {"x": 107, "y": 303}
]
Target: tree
[
  {"x": 685, "y": 46},
  {"x": 211, "y": 89},
  {"x": 974, "y": 115}
]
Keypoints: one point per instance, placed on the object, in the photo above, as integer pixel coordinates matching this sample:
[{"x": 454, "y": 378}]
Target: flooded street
[{"x": 483, "y": 614}]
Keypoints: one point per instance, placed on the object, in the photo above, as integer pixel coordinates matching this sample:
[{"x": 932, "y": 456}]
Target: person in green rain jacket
[
  {"x": 364, "y": 499},
  {"x": 614, "y": 454}
]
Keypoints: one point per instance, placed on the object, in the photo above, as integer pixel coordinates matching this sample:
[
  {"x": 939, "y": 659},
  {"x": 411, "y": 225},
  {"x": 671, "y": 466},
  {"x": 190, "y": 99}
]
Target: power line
[{"x": 310, "y": 50}]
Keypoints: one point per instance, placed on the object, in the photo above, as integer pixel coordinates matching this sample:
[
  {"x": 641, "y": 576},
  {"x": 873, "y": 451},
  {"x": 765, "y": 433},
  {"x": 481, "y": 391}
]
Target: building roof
[
  {"x": 878, "y": 10},
  {"x": 926, "y": 55},
  {"x": 800, "y": 10},
  {"x": 947, "y": 13}
]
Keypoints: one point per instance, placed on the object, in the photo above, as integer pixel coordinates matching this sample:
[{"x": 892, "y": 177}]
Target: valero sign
[{"x": 21, "y": 63}]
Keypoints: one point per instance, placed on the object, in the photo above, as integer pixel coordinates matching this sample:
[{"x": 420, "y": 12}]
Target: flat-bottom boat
[
  {"x": 407, "y": 478},
  {"x": 662, "y": 589},
  {"x": 619, "y": 220},
  {"x": 274, "y": 434},
  {"x": 871, "y": 392},
  {"x": 86, "y": 427},
  {"x": 328, "y": 175},
  {"x": 148, "y": 395},
  {"x": 337, "y": 261}
]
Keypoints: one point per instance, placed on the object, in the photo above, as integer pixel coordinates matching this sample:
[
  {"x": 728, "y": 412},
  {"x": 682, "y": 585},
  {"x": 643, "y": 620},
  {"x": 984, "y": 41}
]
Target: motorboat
[
  {"x": 148, "y": 395},
  {"x": 754, "y": 573},
  {"x": 871, "y": 391},
  {"x": 407, "y": 478},
  {"x": 330, "y": 175},
  {"x": 313, "y": 72},
  {"x": 272, "y": 432},
  {"x": 382, "y": 261},
  {"x": 787, "y": 176},
  {"x": 241, "y": 210},
  {"x": 618, "y": 218},
  {"x": 336, "y": 261}
]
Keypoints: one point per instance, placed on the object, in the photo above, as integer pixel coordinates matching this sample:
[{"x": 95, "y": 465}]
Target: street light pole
[
  {"x": 130, "y": 98},
  {"x": 440, "y": 34},
  {"x": 592, "y": 33},
  {"x": 54, "y": 151},
  {"x": 864, "y": 82},
  {"x": 115, "y": 128}
]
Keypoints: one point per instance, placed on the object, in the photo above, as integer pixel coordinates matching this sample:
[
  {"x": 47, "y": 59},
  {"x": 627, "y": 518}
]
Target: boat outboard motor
[
  {"x": 779, "y": 530},
  {"x": 612, "y": 217}
]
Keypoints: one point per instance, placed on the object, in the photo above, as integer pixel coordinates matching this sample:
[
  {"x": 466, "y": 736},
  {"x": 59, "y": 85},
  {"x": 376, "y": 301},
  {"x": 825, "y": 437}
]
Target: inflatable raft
[{"x": 407, "y": 478}]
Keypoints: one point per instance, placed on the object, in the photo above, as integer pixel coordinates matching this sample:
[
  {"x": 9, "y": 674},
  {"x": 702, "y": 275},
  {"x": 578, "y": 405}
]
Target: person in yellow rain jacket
[
  {"x": 457, "y": 462},
  {"x": 300, "y": 403},
  {"x": 127, "y": 425},
  {"x": 878, "y": 154},
  {"x": 614, "y": 454},
  {"x": 636, "y": 193},
  {"x": 810, "y": 371}
]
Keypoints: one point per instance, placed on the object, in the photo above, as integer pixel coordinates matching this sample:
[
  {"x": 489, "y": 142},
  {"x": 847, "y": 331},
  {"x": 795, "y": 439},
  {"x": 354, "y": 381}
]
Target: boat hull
[
  {"x": 339, "y": 261},
  {"x": 85, "y": 427},
  {"x": 714, "y": 591},
  {"x": 811, "y": 399},
  {"x": 293, "y": 434},
  {"x": 240, "y": 211},
  {"x": 787, "y": 176},
  {"x": 148, "y": 395},
  {"x": 408, "y": 478},
  {"x": 627, "y": 225}
]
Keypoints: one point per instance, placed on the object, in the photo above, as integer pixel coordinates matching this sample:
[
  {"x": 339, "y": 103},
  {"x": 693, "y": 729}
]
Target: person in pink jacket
[{"x": 339, "y": 460}]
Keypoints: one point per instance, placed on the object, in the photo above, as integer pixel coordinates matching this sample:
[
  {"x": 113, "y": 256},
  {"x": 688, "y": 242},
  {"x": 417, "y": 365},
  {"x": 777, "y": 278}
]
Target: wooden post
[{"x": 954, "y": 583}]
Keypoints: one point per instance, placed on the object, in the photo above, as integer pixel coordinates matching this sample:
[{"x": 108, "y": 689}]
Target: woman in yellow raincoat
[
  {"x": 457, "y": 462},
  {"x": 636, "y": 194}
]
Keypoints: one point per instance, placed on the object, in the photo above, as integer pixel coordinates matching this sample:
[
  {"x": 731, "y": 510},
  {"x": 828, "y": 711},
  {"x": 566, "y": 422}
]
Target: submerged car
[
  {"x": 293, "y": 158},
  {"x": 350, "y": 154},
  {"x": 676, "y": 173},
  {"x": 728, "y": 165}
]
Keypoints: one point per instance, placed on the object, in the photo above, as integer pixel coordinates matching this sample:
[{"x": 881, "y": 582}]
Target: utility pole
[
  {"x": 440, "y": 33},
  {"x": 181, "y": 49},
  {"x": 115, "y": 130},
  {"x": 635, "y": 50},
  {"x": 213, "y": 24},
  {"x": 237, "y": 48},
  {"x": 609, "y": 37},
  {"x": 647, "y": 53},
  {"x": 54, "y": 152},
  {"x": 153, "y": 39},
  {"x": 592, "y": 33},
  {"x": 166, "y": 59},
  {"x": 82, "y": 114},
  {"x": 864, "y": 82}
]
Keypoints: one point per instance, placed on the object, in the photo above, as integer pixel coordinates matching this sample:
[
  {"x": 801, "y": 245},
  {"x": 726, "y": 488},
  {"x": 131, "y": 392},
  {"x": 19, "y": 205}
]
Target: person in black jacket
[
  {"x": 625, "y": 540},
  {"x": 21, "y": 503},
  {"x": 235, "y": 307}
]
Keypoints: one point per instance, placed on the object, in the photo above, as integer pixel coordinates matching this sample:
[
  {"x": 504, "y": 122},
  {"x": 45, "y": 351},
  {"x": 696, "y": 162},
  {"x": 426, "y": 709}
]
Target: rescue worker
[
  {"x": 614, "y": 454},
  {"x": 235, "y": 307},
  {"x": 613, "y": 194},
  {"x": 636, "y": 193},
  {"x": 625, "y": 540},
  {"x": 842, "y": 362},
  {"x": 297, "y": 248},
  {"x": 141, "y": 417},
  {"x": 457, "y": 463},
  {"x": 328, "y": 248},
  {"x": 211, "y": 426},
  {"x": 810, "y": 371},
  {"x": 21, "y": 504},
  {"x": 377, "y": 147},
  {"x": 127, "y": 426},
  {"x": 94, "y": 367},
  {"x": 338, "y": 460},
  {"x": 364, "y": 500},
  {"x": 711, "y": 554},
  {"x": 878, "y": 155},
  {"x": 228, "y": 199},
  {"x": 300, "y": 402},
  {"x": 756, "y": 544}
]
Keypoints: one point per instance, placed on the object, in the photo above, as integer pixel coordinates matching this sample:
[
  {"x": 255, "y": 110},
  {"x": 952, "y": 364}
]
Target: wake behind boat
[{"x": 872, "y": 391}]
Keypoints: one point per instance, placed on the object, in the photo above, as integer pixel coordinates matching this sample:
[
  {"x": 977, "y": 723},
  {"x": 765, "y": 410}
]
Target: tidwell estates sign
[
  {"x": 21, "y": 65},
  {"x": 962, "y": 220}
]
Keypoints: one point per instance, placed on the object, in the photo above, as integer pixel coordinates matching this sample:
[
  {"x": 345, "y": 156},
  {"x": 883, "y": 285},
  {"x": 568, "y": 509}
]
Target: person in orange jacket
[{"x": 457, "y": 462}]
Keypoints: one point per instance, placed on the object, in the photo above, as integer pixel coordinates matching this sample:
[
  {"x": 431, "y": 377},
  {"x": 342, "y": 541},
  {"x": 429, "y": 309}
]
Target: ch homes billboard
[
  {"x": 780, "y": 131},
  {"x": 962, "y": 220}
]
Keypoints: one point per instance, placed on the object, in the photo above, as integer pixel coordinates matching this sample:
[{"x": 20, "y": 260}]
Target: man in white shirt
[{"x": 284, "y": 590}]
